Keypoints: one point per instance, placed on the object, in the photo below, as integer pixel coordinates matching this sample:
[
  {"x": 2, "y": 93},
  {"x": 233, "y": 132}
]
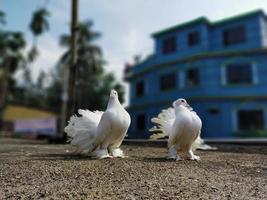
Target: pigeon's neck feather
[
  {"x": 180, "y": 108},
  {"x": 113, "y": 102}
]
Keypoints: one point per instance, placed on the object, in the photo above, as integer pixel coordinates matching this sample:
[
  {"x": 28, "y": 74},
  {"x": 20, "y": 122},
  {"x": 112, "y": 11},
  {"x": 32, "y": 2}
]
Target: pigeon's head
[
  {"x": 181, "y": 102},
  {"x": 113, "y": 94}
]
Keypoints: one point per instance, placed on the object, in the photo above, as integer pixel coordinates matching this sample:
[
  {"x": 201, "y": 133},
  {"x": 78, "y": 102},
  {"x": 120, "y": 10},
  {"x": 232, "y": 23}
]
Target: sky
[{"x": 126, "y": 25}]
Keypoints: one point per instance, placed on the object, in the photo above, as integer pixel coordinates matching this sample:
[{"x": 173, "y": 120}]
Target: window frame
[
  {"x": 136, "y": 89},
  {"x": 250, "y": 110},
  {"x": 137, "y": 128},
  {"x": 169, "y": 46},
  {"x": 193, "y": 41},
  {"x": 187, "y": 80},
  {"x": 254, "y": 74},
  {"x": 228, "y": 39},
  {"x": 165, "y": 76}
]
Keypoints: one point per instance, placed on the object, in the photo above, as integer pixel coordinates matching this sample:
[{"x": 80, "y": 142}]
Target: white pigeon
[
  {"x": 183, "y": 127},
  {"x": 100, "y": 133}
]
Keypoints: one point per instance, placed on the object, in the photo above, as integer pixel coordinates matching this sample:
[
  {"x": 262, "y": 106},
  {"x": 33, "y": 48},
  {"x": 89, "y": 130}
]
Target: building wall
[
  {"x": 252, "y": 27},
  {"x": 211, "y": 80},
  {"x": 263, "y": 32},
  {"x": 225, "y": 122},
  {"x": 211, "y": 39},
  {"x": 182, "y": 47},
  {"x": 211, "y": 93},
  {"x": 216, "y": 102}
]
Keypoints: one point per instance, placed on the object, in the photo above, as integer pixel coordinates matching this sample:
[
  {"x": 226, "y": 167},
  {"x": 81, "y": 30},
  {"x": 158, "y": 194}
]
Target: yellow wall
[{"x": 13, "y": 112}]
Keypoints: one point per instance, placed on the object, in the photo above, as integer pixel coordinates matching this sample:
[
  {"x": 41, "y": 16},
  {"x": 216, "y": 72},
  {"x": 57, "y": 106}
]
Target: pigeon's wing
[
  {"x": 103, "y": 128},
  {"x": 164, "y": 122}
]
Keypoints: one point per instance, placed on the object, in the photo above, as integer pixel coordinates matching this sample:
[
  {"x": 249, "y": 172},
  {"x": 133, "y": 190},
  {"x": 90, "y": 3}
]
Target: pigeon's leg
[
  {"x": 115, "y": 150},
  {"x": 192, "y": 156},
  {"x": 172, "y": 153},
  {"x": 178, "y": 158},
  {"x": 101, "y": 153},
  {"x": 171, "y": 148}
]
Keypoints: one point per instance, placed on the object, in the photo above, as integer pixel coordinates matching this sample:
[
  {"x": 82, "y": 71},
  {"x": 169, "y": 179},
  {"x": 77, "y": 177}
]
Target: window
[
  {"x": 239, "y": 74},
  {"x": 141, "y": 122},
  {"x": 169, "y": 45},
  {"x": 192, "y": 77},
  {"x": 193, "y": 38},
  {"x": 213, "y": 111},
  {"x": 140, "y": 89},
  {"x": 168, "y": 81},
  {"x": 250, "y": 120},
  {"x": 233, "y": 36}
]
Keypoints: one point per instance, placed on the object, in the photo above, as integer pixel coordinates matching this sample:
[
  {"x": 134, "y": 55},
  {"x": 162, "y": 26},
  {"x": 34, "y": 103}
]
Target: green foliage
[
  {"x": 33, "y": 53},
  {"x": 39, "y": 23},
  {"x": 53, "y": 96},
  {"x": 93, "y": 83},
  {"x": 12, "y": 58},
  {"x": 251, "y": 133},
  {"x": 12, "y": 44},
  {"x": 41, "y": 80},
  {"x": 2, "y": 18}
]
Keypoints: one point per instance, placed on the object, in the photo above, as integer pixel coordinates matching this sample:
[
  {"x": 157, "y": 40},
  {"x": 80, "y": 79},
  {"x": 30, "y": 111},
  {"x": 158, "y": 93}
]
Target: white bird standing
[
  {"x": 100, "y": 133},
  {"x": 183, "y": 127}
]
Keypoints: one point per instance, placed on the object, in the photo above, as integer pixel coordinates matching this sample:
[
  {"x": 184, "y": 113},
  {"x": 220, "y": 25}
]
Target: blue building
[{"x": 219, "y": 67}]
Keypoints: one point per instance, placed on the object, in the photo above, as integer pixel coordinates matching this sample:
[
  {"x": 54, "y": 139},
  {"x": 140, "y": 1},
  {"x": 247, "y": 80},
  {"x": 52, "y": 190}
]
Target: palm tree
[
  {"x": 12, "y": 44},
  {"x": 39, "y": 24},
  {"x": 92, "y": 82},
  {"x": 2, "y": 17}
]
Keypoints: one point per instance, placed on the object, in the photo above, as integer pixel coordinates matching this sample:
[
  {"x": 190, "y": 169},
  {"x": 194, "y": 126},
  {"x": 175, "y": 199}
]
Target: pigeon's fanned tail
[
  {"x": 200, "y": 144},
  {"x": 82, "y": 130},
  {"x": 164, "y": 122}
]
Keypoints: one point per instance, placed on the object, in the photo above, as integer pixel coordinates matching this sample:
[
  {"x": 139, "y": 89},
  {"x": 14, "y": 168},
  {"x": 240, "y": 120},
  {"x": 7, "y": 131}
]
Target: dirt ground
[{"x": 41, "y": 171}]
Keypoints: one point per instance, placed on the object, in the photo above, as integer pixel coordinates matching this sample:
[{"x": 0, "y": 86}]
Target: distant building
[
  {"x": 219, "y": 67},
  {"x": 25, "y": 120}
]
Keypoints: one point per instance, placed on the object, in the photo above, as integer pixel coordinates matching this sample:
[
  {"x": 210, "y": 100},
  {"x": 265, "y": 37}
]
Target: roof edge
[
  {"x": 181, "y": 25},
  {"x": 205, "y": 55},
  {"x": 206, "y": 20}
]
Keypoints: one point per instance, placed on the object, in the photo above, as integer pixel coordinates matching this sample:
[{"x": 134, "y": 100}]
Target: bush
[{"x": 251, "y": 133}]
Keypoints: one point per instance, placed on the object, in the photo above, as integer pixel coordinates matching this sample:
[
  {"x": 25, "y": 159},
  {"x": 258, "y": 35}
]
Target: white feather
[
  {"x": 182, "y": 125},
  {"x": 82, "y": 130},
  {"x": 100, "y": 133},
  {"x": 164, "y": 123}
]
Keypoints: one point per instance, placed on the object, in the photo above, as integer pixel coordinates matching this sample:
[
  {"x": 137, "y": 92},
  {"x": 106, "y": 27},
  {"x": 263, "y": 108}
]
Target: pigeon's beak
[{"x": 188, "y": 107}]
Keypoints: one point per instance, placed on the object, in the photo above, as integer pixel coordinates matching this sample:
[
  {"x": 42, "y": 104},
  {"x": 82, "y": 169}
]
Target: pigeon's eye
[{"x": 182, "y": 101}]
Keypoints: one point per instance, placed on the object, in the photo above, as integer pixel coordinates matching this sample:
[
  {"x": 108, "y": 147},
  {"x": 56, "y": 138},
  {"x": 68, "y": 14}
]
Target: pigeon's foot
[
  {"x": 117, "y": 153},
  {"x": 178, "y": 158},
  {"x": 105, "y": 157},
  {"x": 171, "y": 157},
  {"x": 191, "y": 156},
  {"x": 197, "y": 158},
  {"x": 101, "y": 154}
]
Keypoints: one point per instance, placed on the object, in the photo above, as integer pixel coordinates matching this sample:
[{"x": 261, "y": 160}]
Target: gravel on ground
[{"x": 42, "y": 171}]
